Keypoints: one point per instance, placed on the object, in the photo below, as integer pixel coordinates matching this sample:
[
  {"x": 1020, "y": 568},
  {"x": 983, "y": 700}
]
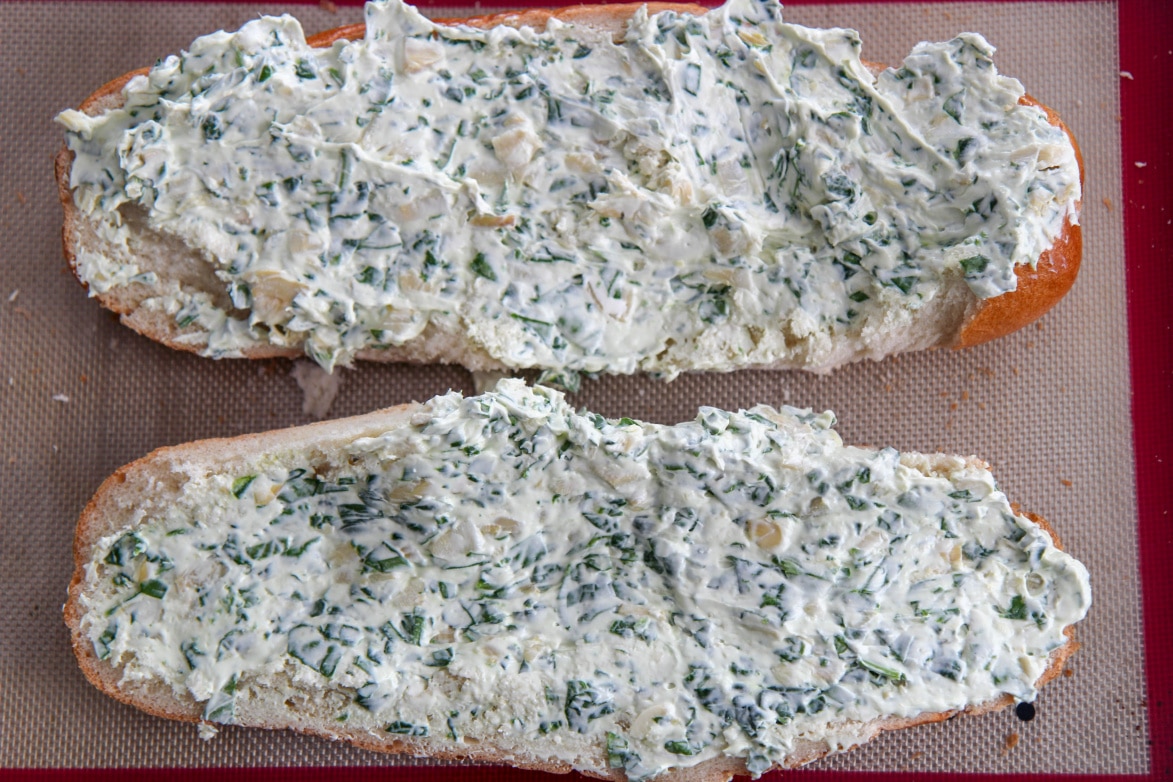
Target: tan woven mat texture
[{"x": 81, "y": 395}]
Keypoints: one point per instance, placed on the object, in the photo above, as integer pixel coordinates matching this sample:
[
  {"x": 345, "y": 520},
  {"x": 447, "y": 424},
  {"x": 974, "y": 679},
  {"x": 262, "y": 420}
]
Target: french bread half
[
  {"x": 691, "y": 190},
  {"x": 503, "y": 579}
]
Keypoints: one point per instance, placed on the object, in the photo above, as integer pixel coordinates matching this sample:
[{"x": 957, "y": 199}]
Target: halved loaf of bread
[
  {"x": 503, "y": 579},
  {"x": 168, "y": 270}
]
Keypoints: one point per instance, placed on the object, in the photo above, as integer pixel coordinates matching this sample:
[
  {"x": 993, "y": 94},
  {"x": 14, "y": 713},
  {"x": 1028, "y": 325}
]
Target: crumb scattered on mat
[{"x": 319, "y": 387}]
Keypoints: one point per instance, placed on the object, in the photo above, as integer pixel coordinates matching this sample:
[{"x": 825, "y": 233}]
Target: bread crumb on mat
[{"x": 319, "y": 387}]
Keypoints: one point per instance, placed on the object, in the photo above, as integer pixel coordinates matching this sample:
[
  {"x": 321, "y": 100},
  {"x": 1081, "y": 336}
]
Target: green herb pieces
[
  {"x": 692, "y": 78},
  {"x": 974, "y": 265},
  {"x": 619, "y": 752},
  {"x": 241, "y": 484},
  {"x": 153, "y": 588},
  {"x": 311, "y": 646},
  {"x": 885, "y": 672},
  {"x": 481, "y": 268},
  {"x": 407, "y": 729},
  {"x": 1017, "y": 609},
  {"x": 102, "y": 647},
  {"x": 221, "y": 707},
  {"x": 584, "y": 703}
]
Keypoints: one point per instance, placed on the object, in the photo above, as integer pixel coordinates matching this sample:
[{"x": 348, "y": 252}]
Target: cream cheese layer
[
  {"x": 710, "y": 192},
  {"x": 606, "y": 593}
]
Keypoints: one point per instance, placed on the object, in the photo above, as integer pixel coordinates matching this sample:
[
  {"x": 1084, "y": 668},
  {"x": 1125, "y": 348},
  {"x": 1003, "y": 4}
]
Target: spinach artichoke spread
[
  {"x": 711, "y": 192},
  {"x": 604, "y": 592}
]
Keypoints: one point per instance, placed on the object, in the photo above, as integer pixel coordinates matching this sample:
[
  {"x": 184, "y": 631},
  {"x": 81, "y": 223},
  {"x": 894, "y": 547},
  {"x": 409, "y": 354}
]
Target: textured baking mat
[{"x": 80, "y": 395}]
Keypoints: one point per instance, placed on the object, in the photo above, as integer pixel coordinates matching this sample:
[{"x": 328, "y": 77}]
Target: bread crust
[
  {"x": 159, "y": 475},
  {"x": 1040, "y": 287}
]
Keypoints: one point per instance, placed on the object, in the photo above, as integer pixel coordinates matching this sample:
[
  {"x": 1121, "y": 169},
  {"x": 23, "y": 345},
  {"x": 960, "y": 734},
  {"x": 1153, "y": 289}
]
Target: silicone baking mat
[{"x": 1048, "y": 407}]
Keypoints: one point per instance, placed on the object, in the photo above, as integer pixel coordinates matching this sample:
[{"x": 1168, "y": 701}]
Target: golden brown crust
[
  {"x": 1039, "y": 287},
  {"x": 160, "y": 470}
]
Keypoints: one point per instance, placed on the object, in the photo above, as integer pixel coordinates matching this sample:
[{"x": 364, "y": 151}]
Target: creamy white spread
[
  {"x": 605, "y": 592},
  {"x": 711, "y": 192}
]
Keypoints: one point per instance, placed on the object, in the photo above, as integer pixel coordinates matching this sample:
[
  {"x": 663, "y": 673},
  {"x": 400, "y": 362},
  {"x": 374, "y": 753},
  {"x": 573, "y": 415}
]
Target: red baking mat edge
[
  {"x": 1146, "y": 48},
  {"x": 481, "y": 774},
  {"x": 493, "y": 5}
]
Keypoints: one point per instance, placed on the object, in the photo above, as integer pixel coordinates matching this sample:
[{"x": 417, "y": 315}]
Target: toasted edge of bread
[
  {"x": 154, "y": 477},
  {"x": 956, "y": 318}
]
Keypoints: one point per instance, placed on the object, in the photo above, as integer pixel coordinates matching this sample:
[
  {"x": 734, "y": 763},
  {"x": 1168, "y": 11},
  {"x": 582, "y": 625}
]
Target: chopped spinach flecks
[{"x": 366, "y": 197}]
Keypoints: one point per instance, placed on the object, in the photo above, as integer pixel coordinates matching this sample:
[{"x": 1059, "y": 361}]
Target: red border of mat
[
  {"x": 1146, "y": 51},
  {"x": 489, "y": 774},
  {"x": 506, "y": 5}
]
